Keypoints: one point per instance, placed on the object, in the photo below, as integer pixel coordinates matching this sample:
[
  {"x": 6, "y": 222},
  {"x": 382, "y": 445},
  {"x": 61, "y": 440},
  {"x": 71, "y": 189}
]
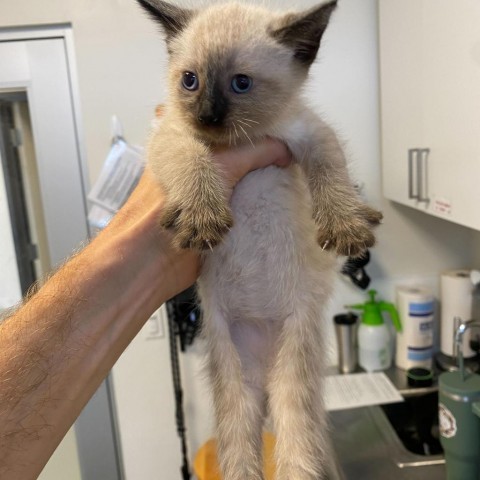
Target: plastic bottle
[{"x": 374, "y": 338}]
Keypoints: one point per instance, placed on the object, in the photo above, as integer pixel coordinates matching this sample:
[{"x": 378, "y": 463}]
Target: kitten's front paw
[
  {"x": 350, "y": 236},
  {"x": 197, "y": 227}
]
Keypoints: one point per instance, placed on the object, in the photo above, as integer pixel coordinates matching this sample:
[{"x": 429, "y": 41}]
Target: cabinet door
[
  {"x": 401, "y": 62},
  {"x": 430, "y": 93},
  {"x": 451, "y": 101}
]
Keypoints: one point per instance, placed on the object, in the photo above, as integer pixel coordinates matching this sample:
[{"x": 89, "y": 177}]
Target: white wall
[
  {"x": 121, "y": 64},
  {"x": 64, "y": 464}
]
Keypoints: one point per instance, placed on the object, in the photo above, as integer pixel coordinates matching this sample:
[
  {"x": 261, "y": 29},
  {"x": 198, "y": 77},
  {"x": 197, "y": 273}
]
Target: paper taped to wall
[{"x": 119, "y": 176}]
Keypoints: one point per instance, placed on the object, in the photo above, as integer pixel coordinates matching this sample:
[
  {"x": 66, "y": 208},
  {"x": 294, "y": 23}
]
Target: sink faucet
[{"x": 462, "y": 328}]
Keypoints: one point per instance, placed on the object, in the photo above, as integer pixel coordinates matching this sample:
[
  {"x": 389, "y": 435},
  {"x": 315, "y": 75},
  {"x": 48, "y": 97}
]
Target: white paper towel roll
[
  {"x": 416, "y": 307},
  {"x": 456, "y": 297}
]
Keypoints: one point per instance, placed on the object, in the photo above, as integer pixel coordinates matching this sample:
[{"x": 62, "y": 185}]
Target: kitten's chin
[
  {"x": 213, "y": 134},
  {"x": 225, "y": 136}
]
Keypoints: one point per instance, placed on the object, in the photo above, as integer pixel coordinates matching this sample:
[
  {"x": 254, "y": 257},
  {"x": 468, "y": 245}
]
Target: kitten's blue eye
[
  {"x": 241, "y": 83},
  {"x": 190, "y": 81}
]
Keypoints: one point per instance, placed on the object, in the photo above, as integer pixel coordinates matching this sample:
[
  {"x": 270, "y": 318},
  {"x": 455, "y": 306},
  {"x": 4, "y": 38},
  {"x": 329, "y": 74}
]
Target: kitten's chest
[
  {"x": 265, "y": 197},
  {"x": 272, "y": 237},
  {"x": 268, "y": 202}
]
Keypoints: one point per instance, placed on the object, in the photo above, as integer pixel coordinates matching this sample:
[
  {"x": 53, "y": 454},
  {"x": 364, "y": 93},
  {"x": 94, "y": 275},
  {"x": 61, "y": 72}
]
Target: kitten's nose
[
  {"x": 209, "y": 120},
  {"x": 212, "y": 109}
]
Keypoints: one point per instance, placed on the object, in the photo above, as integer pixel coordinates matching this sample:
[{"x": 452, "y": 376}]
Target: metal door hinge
[{"x": 16, "y": 137}]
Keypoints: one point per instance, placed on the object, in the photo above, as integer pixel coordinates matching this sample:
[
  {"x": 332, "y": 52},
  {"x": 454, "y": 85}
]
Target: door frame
[
  {"x": 96, "y": 429},
  {"x": 64, "y": 32}
]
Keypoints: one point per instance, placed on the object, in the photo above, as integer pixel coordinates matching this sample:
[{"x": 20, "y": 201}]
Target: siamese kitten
[{"x": 235, "y": 76}]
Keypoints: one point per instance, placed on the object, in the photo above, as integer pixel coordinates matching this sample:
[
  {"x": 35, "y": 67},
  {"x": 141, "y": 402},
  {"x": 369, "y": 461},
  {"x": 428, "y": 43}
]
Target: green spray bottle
[{"x": 374, "y": 338}]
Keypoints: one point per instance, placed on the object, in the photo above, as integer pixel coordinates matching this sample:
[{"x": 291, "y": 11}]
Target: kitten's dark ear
[
  {"x": 303, "y": 31},
  {"x": 173, "y": 19}
]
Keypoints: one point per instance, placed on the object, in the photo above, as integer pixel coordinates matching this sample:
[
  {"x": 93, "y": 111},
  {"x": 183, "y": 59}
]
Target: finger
[
  {"x": 269, "y": 152},
  {"x": 237, "y": 162},
  {"x": 159, "y": 110}
]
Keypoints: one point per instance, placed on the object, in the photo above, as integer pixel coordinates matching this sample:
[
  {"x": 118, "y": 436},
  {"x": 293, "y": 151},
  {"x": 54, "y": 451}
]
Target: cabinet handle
[
  {"x": 412, "y": 157},
  {"x": 418, "y": 174},
  {"x": 422, "y": 166}
]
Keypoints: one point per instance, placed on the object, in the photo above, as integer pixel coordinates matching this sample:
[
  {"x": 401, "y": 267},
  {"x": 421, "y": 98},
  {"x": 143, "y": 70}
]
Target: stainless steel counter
[{"x": 367, "y": 447}]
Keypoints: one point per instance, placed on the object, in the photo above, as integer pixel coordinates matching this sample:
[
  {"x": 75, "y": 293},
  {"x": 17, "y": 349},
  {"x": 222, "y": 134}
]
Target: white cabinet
[{"x": 430, "y": 106}]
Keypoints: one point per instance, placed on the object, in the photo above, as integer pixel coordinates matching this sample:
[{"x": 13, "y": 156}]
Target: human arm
[{"x": 56, "y": 350}]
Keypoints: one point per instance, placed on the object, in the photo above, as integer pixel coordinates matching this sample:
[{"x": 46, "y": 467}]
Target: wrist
[{"x": 139, "y": 259}]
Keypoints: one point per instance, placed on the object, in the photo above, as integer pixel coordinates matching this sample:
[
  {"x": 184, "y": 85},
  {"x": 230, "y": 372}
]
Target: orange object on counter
[{"x": 205, "y": 465}]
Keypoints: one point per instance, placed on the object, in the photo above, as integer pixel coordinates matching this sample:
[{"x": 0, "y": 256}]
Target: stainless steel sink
[
  {"x": 415, "y": 422},
  {"x": 367, "y": 447}
]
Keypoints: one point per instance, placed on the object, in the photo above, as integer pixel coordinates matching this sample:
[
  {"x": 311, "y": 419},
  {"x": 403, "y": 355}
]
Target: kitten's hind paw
[
  {"x": 350, "y": 236},
  {"x": 196, "y": 227}
]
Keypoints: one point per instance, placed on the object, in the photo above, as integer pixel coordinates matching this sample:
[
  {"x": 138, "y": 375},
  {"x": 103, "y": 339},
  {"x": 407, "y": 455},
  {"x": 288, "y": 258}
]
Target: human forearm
[{"x": 60, "y": 345}]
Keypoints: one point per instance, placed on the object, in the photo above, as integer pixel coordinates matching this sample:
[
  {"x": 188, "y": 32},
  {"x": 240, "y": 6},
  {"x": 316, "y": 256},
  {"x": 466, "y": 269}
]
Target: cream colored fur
[{"x": 265, "y": 284}]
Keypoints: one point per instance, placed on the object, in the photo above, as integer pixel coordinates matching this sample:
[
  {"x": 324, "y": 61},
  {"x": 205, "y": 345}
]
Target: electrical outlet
[{"x": 154, "y": 327}]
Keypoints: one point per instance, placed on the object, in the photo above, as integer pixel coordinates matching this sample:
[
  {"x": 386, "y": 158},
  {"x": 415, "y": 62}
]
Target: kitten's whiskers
[
  {"x": 236, "y": 133},
  {"x": 246, "y": 134},
  {"x": 245, "y": 123},
  {"x": 235, "y": 127}
]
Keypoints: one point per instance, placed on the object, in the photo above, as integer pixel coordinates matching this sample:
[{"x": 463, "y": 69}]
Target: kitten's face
[
  {"x": 229, "y": 79},
  {"x": 234, "y": 69}
]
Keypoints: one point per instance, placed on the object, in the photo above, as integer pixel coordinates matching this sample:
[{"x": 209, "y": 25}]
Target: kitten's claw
[
  {"x": 199, "y": 227},
  {"x": 350, "y": 236}
]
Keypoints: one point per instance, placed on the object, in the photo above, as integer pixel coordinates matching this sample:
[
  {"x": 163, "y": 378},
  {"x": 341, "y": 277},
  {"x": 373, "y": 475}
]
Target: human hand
[
  {"x": 173, "y": 270},
  {"x": 237, "y": 162}
]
